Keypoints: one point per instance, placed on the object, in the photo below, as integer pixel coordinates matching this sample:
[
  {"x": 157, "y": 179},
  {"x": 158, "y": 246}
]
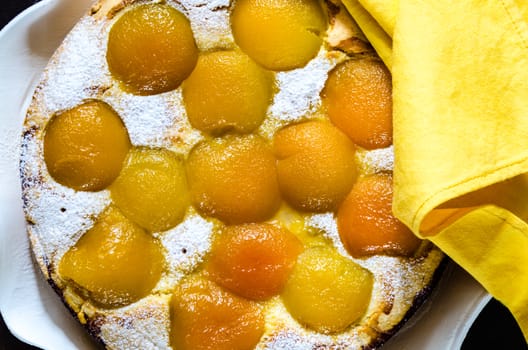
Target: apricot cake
[{"x": 217, "y": 175}]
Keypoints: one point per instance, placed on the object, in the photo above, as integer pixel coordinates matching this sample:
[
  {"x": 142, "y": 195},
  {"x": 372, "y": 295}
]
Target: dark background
[{"x": 495, "y": 328}]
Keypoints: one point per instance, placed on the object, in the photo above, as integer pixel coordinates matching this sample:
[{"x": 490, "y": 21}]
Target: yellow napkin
[{"x": 460, "y": 90}]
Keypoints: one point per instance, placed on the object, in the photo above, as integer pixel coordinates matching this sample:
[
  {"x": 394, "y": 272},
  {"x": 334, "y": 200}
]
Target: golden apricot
[
  {"x": 227, "y": 91},
  {"x": 115, "y": 263},
  {"x": 366, "y": 224},
  {"x": 206, "y": 317},
  {"x": 151, "y": 49},
  {"x": 84, "y": 147},
  {"x": 233, "y": 178},
  {"x": 326, "y": 291},
  {"x": 316, "y": 167},
  {"x": 152, "y": 189},
  {"x": 279, "y": 34},
  {"x": 358, "y": 100},
  {"x": 253, "y": 260}
]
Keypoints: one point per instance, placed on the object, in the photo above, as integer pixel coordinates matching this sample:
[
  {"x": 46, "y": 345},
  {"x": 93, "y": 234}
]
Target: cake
[{"x": 217, "y": 175}]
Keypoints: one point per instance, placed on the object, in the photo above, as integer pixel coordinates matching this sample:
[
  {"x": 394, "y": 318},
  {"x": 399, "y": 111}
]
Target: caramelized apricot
[
  {"x": 358, "y": 99},
  {"x": 115, "y": 263},
  {"x": 227, "y": 90},
  {"x": 279, "y": 34},
  {"x": 253, "y": 260},
  {"x": 326, "y": 291},
  {"x": 152, "y": 189},
  {"x": 151, "y": 49},
  {"x": 366, "y": 224},
  {"x": 84, "y": 147},
  {"x": 316, "y": 167},
  {"x": 234, "y": 179},
  {"x": 206, "y": 317}
]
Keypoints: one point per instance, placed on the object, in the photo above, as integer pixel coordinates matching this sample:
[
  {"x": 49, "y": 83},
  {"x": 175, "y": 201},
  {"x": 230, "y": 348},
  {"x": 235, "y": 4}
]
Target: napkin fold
[{"x": 460, "y": 95}]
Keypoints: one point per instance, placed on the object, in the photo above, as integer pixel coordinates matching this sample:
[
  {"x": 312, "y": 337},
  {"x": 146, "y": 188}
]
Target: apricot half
[
  {"x": 84, "y": 147},
  {"x": 366, "y": 224},
  {"x": 115, "y": 263},
  {"x": 227, "y": 91},
  {"x": 151, "y": 49},
  {"x": 152, "y": 189},
  {"x": 253, "y": 260},
  {"x": 233, "y": 178},
  {"x": 316, "y": 167},
  {"x": 206, "y": 317},
  {"x": 279, "y": 34},
  {"x": 326, "y": 291},
  {"x": 358, "y": 100}
]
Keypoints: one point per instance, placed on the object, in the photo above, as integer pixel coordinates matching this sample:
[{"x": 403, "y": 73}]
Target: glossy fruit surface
[
  {"x": 316, "y": 167},
  {"x": 84, "y": 147},
  {"x": 151, "y": 49},
  {"x": 206, "y": 317},
  {"x": 152, "y": 189},
  {"x": 366, "y": 224},
  {"x": 326, "y": 291},
  {"x": 358, "y": 99},
  {"x": 233, "y": 178},
  {"x": 279, "y": 34},
  {"x": 115, "y": 263},
  {"x": 227, "y": 91},
  {"x": 253, "y": 260}
]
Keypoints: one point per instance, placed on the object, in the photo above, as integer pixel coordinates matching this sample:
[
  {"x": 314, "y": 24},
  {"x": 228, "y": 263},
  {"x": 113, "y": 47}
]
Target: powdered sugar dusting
[
  {"x": 376, "y": 160},
  {"x": 147, "y": 118},
  {"x": 298, "y": 95},
  {"x": 395, "y": 278},
  {"x": 299, "y": 89},
  {"x": 186, "y": 245},
  {"x": 181, "y": 135},
  {"x": 143, "y": 325},
  {"x": 59, "y": 214},
  {"x": 62, "y": 215},
  {"x": 209, "y": 22},
  {"x": 297, "y": 339},
  {"x": 398, "y": 278},
  {"x": 326, "y": 223},
  {"x": 290, "y": 341},
  {"x": 79, "y": 71},
  {"x": 287, "y": 333}
]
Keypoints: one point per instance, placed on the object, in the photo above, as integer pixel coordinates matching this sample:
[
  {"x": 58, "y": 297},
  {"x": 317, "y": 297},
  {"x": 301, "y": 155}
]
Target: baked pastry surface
[{"x": 58, "y": 215}]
